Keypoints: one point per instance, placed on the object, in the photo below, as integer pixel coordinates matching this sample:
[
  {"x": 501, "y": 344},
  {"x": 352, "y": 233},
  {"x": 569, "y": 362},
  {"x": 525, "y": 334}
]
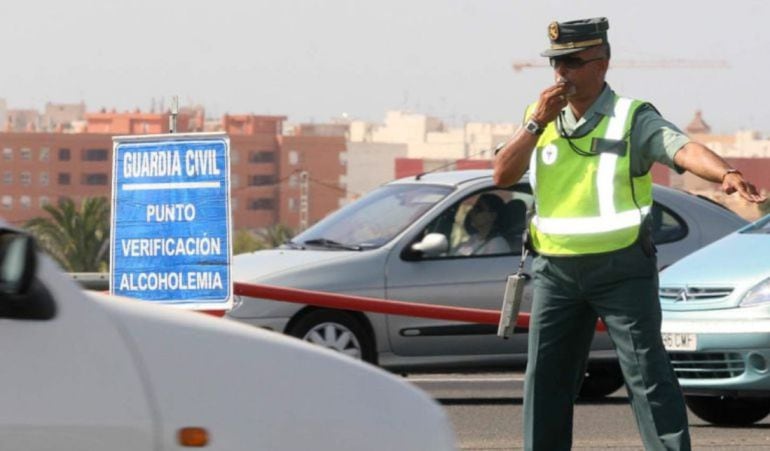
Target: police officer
[{"x": 589, "y": 152}]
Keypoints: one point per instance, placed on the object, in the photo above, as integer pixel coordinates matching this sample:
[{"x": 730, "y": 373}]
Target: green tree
[
  {"x": 77, "y": 238},
  {"x": 267, "y": 238},
  {"x": 275, "y": 235},
  {"x": 244, "y": 241}
]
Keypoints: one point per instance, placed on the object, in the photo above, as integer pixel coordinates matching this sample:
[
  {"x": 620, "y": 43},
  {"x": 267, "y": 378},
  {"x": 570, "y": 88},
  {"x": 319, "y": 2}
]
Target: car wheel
[
  {"x": 601, "y": 380},
  {"x": 728, "y": 411},
  {"x": 337, "y": 330}
]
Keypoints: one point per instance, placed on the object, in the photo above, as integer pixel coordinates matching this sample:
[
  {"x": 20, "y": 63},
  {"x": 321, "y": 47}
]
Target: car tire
[
  {"x": 601, "y": 380},
  {"x": 337, "y": 330},
  {"x": 728, "y": 411}
]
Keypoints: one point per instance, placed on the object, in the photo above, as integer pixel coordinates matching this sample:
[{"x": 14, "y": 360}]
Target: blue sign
[{"x": 171, "y": 219}]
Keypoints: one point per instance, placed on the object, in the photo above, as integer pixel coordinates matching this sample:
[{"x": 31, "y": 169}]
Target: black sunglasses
[{"x": 571, "y": 62}]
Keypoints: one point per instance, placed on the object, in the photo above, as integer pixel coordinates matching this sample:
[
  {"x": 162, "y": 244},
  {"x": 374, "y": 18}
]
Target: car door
[
  {"x": 461, "y": 278},
  {"x": 70, "y": 382},
  {"x": 672, "y": 235}
]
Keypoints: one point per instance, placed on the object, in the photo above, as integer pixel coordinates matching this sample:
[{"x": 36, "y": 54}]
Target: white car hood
[{"x": 254, "y": 389}]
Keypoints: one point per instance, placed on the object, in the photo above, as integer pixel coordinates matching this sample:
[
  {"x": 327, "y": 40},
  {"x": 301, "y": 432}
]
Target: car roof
[
  {"x": 472, "y": 176},
  {"x": 449, "y": 178},
  {"x": 460, "y": 177}
]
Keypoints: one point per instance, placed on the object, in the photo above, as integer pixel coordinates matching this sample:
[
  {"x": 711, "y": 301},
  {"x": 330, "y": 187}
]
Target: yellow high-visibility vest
[{"x": 587, "y": 200}]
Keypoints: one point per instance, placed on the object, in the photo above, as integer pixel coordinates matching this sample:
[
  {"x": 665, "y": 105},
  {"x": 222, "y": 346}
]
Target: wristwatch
[{"x": 532, "y": 127}]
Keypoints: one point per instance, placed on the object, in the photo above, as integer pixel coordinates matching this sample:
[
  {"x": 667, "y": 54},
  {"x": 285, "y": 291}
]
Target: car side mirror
[
  {"x": 432, "y": 245},
  {"x": 22, "y": 296},
  {"x": 17, "y": 263}
]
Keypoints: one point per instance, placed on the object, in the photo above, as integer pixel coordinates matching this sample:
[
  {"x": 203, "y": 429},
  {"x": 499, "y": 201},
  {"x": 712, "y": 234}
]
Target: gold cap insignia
[{"x": 553, "y": 31}]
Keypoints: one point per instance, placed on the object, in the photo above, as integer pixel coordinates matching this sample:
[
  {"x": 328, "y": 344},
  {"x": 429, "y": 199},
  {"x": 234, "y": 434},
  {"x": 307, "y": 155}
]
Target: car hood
[
  {"x": 260, "y": 265},
  {"x": 274, "y": 391},
  {"x": 351, "y": 272},
  {"x": 735, "y": 263}
]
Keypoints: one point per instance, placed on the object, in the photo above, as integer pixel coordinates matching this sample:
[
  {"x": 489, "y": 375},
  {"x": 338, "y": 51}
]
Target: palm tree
[
  {"x": 276, "y": 235},
  {"x": 77, "y": 238},
  {"x": 244, "y": 241},
  {"x": 268, "y": 238}
]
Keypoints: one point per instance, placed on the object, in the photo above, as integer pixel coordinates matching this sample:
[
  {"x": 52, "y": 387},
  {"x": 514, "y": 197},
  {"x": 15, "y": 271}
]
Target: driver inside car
[{"x": 484, "y": 226}]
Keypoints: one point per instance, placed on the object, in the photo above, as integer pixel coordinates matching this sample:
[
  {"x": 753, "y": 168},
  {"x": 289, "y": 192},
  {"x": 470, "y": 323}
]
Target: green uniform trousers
[{"x": 570, "y": 293}]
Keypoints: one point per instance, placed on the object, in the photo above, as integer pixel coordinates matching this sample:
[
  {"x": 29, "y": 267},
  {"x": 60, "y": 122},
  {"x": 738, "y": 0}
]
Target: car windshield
[
  {"x": 374, "y": 219},
  {"x": 760, "y": 226}
]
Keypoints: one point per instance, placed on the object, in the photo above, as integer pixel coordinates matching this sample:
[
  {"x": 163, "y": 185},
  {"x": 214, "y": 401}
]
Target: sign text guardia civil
[{"x": 160, "y": 163}]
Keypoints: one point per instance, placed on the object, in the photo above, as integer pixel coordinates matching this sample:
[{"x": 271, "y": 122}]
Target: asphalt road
[{"x": 485, "y": 410}]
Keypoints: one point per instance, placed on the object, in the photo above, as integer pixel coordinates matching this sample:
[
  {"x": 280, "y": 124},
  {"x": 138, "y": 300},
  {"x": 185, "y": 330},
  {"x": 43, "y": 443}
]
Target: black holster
[{"x": 645, "y": 239}]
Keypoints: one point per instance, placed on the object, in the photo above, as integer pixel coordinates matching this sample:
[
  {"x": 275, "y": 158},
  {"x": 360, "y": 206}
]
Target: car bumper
[{"x": 730, "y": 357}]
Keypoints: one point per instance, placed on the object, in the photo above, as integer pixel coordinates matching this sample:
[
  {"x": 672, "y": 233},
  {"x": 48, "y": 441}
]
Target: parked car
[
  {"x": 408, "y": 240},
  {"x": 92, "y": 372},
  {"x": 716, "y": 326}
]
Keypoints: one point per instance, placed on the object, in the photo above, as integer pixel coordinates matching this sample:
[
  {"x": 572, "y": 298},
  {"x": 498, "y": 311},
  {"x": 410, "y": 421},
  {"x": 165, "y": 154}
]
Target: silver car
[
  {"x": 411, "y": 240},
  {"x": 716, "y": 326}
]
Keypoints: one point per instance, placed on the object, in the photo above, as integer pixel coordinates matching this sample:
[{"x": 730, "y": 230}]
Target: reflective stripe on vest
[
  {"x": 607, "y": 228},
  {"x": 582, "y": 226}
]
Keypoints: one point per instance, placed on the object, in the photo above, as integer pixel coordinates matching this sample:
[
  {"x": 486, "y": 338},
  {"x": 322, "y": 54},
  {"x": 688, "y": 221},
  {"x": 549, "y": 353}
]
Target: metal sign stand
[{"x": 174, "y": 113}]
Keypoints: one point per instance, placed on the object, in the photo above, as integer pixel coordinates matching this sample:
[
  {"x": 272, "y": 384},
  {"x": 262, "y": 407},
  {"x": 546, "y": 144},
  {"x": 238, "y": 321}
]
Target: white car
[{"x": 92, "y": 372}]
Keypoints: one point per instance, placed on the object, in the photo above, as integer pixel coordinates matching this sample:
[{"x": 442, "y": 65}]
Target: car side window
[
  {"x": 488, "y": 222},
  {"x": 667, "y": 226}
]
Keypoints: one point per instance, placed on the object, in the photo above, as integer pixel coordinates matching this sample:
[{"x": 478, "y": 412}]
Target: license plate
[{"x": 680, "y": 342}]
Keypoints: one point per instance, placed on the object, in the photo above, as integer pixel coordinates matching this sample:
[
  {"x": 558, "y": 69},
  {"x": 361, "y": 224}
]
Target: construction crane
[{"x": 520, "y": 65}]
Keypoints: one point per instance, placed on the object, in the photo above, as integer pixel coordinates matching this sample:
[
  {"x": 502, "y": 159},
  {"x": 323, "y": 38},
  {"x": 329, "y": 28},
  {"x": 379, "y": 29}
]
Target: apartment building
[
  {"x": 430, "y": 138},
  {"x": 62, "y": 117},
  {"x": 41, "y": 168},
  {"x": 312, "y": 178}
]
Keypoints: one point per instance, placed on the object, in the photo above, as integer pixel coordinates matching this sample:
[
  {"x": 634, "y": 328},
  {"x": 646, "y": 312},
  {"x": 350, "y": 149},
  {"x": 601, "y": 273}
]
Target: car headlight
[{"x": 758, "y": 294}]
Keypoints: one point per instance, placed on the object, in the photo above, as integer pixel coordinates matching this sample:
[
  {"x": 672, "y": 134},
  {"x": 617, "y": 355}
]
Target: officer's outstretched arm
[{"x": 703, "y": 162}]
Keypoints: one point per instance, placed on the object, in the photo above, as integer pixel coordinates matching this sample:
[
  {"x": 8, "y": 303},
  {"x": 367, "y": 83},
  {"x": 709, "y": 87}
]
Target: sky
[{"x": 313, "y": 60}]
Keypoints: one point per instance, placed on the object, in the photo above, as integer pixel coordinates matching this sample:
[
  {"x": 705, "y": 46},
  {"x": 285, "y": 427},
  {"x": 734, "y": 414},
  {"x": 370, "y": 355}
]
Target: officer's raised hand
[{"x": 552, "y": 100}]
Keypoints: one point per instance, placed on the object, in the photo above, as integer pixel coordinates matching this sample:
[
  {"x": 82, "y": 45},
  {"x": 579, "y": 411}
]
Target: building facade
[
  {"x": 370, "y": 165},
  {"x": 430, "y": 138},
  {"x": 255, "y": 157},
  {"x": 42, "y": 168},
  {"x": 312, "y": 178}
]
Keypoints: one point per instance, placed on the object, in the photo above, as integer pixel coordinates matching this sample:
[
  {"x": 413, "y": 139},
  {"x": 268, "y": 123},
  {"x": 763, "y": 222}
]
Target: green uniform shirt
[{"x": 652, "y": 137}]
